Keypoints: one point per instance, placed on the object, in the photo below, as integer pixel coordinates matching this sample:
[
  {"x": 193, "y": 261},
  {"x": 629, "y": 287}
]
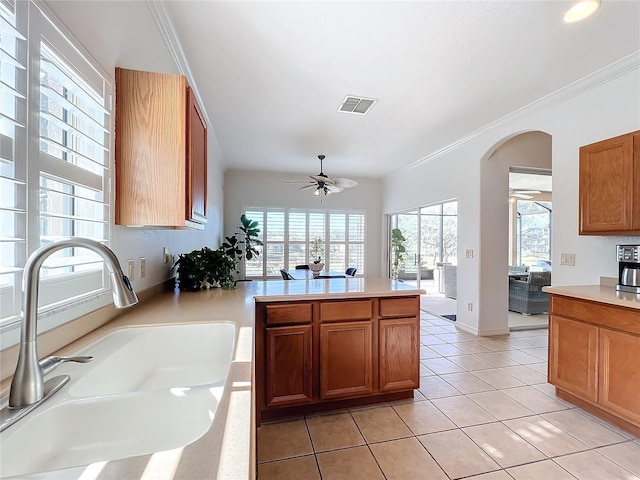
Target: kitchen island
[
  {"x": 227, "y": 449},
  {"x": 594, "y": 351},
  {"x": 320, "y": 350}
]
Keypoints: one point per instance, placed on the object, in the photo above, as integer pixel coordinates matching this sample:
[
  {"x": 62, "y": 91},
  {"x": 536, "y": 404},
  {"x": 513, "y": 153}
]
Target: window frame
[
  {"x": 309, "y": 237},
  {"x": 39, "y": 26}
]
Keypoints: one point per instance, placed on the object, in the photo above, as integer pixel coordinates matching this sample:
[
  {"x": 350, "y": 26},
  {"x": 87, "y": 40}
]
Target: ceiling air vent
[{"x": 357, "y": 105}]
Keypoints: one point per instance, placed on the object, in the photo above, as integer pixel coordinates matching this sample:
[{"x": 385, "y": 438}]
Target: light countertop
[
  {"x": 334, "y": 288},
  {"x": 227, "y": 449},
  {"x": 597, "y": 293}
]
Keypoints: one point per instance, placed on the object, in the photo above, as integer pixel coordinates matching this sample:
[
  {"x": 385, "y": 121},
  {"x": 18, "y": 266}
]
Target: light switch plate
[
  {"x": 469, "y": 253},
  {"x": 143, "y": 267},
  {"x": 130, "y": 269},
  {"x": 568, "y": 259}
]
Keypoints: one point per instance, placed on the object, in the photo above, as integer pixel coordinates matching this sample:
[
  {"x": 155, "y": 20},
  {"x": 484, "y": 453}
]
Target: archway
[{"x": 529, "y": 149}]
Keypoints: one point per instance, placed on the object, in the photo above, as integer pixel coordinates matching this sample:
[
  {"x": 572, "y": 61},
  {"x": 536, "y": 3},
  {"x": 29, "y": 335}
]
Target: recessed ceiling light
[{"x": 581, "y": 10}]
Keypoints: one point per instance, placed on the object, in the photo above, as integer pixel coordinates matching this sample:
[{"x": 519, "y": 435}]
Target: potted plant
[
  {"x": 397, "y": 252},
  {"x": 315, "y": 253},
  {"x": 242, "y": 245},
  {"x": 206, "y": 268}
]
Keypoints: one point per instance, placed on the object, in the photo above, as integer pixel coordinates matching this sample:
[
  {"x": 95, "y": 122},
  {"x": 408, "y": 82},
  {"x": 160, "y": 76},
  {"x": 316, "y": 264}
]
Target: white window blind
[
  {"x": 288, "y": 234},
  {"x": 57, "y": 163},
  {"x": 13, "y": 140}
]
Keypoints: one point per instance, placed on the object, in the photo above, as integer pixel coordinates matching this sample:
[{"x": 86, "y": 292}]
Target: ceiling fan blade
[
  {"x": 307, "y": 187},
  {"x": 344, "y": 182},
  {"x": 521, "y": 195},
  {"x": 299, "y": 182},
  {"x": 321, "y": 178},
  {"x": 334, "y": 188}
]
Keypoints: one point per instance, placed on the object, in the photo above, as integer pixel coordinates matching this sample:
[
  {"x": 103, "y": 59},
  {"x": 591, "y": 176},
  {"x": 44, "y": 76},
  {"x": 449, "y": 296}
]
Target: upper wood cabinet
[
  {"x": 610, "y": 186},
  {"x": 160, "y": 151}
]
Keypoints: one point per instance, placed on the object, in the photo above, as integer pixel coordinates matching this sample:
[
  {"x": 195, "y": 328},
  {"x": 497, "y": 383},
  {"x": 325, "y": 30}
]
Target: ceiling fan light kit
[{"x": 323, "y": 185}]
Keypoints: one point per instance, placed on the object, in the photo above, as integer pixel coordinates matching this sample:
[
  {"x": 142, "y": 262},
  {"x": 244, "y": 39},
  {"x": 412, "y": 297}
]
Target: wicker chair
[
  {"x": 526, "y": 296},
  {"x": 450, "y": 273},
  {"x": 513, "y": 269}
]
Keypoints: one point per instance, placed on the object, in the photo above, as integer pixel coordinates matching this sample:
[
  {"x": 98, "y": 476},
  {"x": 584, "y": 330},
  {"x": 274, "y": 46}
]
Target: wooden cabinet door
[
  {"x": 573, "y": 349},
  {"x": 150, "y": 145},
  {"x": 196, "y": 191},
  {"x": 399, "y": 354},
  {"x": 289, "y": 368},
  {"x": 346, "y": 359},
  {"x": 619, "y": 374},
  {"x": 636, "y": 182},
  {"x": 607, "y": 186}
]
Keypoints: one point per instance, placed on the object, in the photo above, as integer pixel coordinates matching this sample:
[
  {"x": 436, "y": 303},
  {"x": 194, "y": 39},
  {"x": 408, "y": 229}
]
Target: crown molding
[
  {"x": 610, "y": 72},
  {"x": 170, "y": 37}
]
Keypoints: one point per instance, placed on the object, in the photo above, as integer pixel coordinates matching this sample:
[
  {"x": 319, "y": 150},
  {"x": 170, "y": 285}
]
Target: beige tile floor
[{"x": 483, "y": 411}]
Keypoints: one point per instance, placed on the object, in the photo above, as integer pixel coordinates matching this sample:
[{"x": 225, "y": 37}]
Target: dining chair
[
  {"x": 351, "y": 271},
  {"x": 285, "y": 275}
]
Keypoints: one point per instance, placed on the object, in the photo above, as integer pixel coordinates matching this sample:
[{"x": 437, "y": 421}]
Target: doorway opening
[
  {"x": 430, "y": 260},
  {"x": 530, "y": 223}
]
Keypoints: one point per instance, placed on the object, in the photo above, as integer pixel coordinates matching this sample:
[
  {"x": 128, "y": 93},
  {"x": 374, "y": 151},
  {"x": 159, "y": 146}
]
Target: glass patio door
[
  {"x": 409, "y": 225},
  {"x": 431, "y": 240}
]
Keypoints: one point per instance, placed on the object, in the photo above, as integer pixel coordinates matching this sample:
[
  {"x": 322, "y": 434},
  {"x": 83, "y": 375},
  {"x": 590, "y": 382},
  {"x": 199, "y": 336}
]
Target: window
[
  {"x": 533, "y": 232},
  {"x": 55, "y": 167},
  {"x": 287, "y": 235}
]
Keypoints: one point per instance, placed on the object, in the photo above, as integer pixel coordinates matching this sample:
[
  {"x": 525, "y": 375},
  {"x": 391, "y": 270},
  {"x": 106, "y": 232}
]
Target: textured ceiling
[{"x": 272, "y": 74}]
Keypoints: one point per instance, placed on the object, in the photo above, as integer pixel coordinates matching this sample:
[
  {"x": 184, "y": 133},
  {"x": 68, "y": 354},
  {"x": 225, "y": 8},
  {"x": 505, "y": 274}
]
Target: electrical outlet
[
  {"x": 568, "y": 259},
  {"x": 470, "y": 306},
  {"x": 469, "y": 253},
  {"x": 131, "y": 265},
  {"x": 165, "y": 255},
  {"x": 143, "y": 267}
]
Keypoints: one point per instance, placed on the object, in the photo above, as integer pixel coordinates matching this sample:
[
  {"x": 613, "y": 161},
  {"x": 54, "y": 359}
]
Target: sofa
[{"x": 526, "y": 296}]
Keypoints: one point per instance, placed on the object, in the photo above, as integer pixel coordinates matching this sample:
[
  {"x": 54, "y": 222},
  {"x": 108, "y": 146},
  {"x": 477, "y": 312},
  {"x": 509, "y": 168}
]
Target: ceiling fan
[
  {"x": 323, "y": 185},
  {"x": 524, "y": 194}
]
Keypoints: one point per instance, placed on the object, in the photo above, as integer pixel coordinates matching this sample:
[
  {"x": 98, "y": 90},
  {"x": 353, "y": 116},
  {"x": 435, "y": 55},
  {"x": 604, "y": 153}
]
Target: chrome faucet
[{"x": 27, "y": 386}]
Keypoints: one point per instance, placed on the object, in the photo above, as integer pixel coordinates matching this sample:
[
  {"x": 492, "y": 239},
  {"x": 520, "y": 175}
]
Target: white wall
[
  {"x": 124, "y": 34},
  {"x": 244, "y": 188},
  {"x": 600, "y": 106},
  {"x": 531, "y": 149}
]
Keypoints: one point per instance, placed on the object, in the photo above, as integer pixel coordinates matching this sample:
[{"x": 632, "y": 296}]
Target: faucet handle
[{"x": 49, "y": 363}]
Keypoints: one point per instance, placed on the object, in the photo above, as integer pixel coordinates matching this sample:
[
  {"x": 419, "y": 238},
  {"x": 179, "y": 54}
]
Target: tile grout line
[
  {"x": 501, "y": 422},
  {"x": 366, "y": 442}
]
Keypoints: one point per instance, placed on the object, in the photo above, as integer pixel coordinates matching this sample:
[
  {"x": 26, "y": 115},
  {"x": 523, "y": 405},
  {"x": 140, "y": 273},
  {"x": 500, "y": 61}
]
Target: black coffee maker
[{"x": 628, "y": 269}]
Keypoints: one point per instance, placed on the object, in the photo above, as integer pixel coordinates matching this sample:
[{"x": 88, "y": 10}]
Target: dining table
[{"x": 306, "y": 274}]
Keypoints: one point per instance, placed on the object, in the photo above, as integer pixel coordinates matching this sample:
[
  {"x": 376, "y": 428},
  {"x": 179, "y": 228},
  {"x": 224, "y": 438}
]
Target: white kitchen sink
[
  {"x": 133, "y": 401},
  {"x": 151, "y": 358}
]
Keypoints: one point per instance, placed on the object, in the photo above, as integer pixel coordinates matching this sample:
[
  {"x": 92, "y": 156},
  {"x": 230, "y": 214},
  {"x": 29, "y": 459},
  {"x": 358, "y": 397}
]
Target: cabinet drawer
[
  {"x": 355, "y": 310},
  {"x": 399, "y": 307},
  {"x": 292, "y": 313},
  {"x": 619, "y": 318}
]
